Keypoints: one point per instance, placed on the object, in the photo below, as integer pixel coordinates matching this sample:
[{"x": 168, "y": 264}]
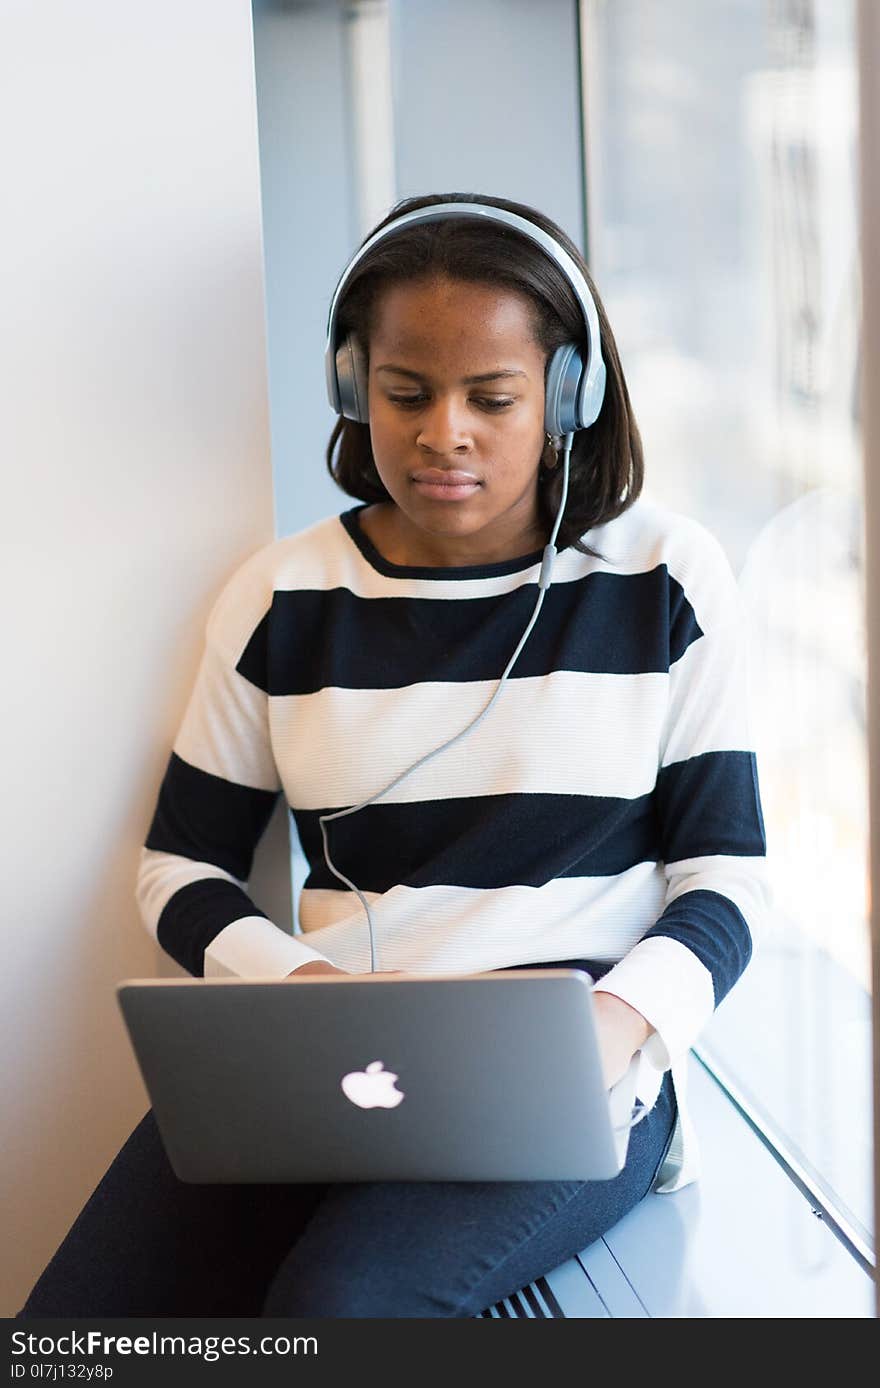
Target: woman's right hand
[
  {"x": 316, "y": 966},
  {"x": 321, "y": 966}
]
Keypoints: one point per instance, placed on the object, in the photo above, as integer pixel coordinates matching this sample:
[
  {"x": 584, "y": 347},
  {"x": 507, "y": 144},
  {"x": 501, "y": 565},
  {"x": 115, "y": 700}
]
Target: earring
[{"x": 550, "y": 455}]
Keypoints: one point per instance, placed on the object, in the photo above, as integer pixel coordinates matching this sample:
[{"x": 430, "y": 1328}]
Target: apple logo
[{"x": 372, "y": 1088}]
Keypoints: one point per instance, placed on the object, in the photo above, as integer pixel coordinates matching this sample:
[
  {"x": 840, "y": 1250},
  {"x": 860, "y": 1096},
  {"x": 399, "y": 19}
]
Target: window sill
[{"x": 743, "y": 1241}]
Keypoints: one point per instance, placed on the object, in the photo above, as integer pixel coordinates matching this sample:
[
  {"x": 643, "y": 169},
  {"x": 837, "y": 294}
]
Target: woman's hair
[{"x": 606, "y": 468}]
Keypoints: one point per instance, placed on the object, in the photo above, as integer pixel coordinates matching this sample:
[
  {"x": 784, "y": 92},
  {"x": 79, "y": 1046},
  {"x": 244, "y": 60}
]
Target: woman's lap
[{"x": 147, "y": 1244}]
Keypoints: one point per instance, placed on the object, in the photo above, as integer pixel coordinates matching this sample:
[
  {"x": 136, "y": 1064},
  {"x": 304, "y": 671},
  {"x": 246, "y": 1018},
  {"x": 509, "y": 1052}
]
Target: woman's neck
[{"x": 401, "y": 544}]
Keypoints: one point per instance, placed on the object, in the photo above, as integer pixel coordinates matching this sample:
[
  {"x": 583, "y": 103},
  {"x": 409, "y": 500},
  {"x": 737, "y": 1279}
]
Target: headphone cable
[{"x": 544, "y": 581}]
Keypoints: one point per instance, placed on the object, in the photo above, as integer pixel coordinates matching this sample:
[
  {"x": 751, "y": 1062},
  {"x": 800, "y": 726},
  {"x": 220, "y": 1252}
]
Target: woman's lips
[{"x": 445, "y": 486}]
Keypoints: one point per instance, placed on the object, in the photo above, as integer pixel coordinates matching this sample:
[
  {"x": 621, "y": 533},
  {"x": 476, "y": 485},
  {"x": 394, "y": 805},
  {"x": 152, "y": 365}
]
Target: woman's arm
[
  {"x": 217, "y": 795},
  {"x": 708, "y": 811}
]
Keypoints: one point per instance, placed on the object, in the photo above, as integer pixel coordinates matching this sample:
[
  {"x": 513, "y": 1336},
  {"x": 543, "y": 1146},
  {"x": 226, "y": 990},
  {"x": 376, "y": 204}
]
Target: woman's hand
[
  {"x": 316, "y": 966},
  {"x": 322, "y": 966},
  {"x": 622, "y": 1030}
]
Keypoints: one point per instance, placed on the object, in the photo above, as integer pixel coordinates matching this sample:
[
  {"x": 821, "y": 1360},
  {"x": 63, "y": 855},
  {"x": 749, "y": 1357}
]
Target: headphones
[
  {"x": 573, "y": 394},
  {"x": 573, "y": 399}
]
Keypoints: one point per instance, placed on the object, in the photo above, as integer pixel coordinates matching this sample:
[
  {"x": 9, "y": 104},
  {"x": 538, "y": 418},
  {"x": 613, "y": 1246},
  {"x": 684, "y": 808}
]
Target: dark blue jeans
[{"x": 148, "y": 1244}]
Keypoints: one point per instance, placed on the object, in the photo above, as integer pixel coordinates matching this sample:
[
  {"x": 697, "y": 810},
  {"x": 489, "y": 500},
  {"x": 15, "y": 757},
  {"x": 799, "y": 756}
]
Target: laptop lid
[{"x": 479, "y": 1077}]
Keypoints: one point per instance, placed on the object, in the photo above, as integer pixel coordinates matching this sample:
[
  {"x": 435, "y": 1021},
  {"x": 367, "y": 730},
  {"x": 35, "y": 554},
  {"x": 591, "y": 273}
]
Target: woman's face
[{"x": 458, "y": 455}]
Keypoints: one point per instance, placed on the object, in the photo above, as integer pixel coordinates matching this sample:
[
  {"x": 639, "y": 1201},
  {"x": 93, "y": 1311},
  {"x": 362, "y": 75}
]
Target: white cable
[
  {"x": 543, "y": 584},
  {"x": 640, "y": 1111}
]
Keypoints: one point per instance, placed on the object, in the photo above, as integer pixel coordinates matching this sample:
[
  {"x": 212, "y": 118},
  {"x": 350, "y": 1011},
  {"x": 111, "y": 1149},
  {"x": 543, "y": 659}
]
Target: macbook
[{"x": 478, "y": 1077}]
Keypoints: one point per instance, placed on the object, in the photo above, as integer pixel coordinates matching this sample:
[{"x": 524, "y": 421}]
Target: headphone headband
[{"x": 576, "y": 394}]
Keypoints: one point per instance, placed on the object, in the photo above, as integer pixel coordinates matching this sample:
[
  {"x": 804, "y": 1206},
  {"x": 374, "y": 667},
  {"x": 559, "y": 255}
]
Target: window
[{"x": 721, "y": 146}]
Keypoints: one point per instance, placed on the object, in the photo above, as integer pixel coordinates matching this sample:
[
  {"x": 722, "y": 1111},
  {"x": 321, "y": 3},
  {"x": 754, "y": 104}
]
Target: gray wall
[
  {"x": 308, "y": 232},
  {"x": 485, "y": 99}
]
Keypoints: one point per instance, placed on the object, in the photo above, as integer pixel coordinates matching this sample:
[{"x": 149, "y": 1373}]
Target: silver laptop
[{"x": 478, "y": 1077}]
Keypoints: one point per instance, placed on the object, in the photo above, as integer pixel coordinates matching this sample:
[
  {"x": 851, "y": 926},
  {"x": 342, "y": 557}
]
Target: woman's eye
[{"x": 491, "y": 403}]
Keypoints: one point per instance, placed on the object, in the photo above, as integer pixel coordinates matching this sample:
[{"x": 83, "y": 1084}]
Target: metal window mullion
[{"x": 869, "y": 142}]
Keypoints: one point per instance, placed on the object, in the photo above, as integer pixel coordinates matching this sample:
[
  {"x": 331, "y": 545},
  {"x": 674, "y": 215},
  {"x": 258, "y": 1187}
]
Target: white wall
[{"x": 136, "y": 475}]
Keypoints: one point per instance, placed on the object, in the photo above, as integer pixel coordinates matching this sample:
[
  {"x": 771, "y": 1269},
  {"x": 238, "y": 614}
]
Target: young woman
[{"x": 604, "y": 814}]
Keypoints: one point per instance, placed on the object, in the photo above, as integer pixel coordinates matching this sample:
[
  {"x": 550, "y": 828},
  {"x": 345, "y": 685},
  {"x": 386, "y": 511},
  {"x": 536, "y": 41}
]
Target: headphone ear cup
[
  {"x": 591, "y": 400},
  {"x": 564, "y": 376},
  {"x": 352, "y": 376}
]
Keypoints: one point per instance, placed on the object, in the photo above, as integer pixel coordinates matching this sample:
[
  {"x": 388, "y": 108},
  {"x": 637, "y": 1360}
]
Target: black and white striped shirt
[{"x": 606, "y": 810}]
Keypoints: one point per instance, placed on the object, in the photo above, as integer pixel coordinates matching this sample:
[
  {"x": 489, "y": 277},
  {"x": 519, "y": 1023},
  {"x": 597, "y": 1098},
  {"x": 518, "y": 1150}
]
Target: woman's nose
[{"x": 444, "y": 427}]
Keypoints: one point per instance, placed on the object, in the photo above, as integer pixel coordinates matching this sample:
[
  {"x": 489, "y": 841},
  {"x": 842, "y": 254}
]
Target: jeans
[{"x": 148, "y": 1244}]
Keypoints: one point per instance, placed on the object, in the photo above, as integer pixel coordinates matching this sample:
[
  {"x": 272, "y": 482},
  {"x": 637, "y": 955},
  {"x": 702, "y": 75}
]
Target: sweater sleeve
[
  {"x": 709, "y": 817},
  {"x": 215, "y": 800}
]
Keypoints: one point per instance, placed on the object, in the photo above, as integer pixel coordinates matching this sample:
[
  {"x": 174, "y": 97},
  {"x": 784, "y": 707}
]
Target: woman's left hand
[{"x": 622, "y": 1031}]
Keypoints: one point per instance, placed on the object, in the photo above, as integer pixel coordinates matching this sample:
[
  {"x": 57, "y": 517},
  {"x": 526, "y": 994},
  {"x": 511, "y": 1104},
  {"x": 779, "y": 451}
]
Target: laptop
[{"x": 477, "y": 1077}]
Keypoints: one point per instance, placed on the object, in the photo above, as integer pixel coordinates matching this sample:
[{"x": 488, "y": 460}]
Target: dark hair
[{"x": 606, "y": 468}]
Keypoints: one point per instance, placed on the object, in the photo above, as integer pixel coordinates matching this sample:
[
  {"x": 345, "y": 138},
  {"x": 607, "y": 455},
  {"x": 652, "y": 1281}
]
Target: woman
[{"x": 604, "y": 814}]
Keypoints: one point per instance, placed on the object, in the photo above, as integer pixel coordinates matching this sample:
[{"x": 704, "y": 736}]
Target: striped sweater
[{"x": 606, "y": 810}]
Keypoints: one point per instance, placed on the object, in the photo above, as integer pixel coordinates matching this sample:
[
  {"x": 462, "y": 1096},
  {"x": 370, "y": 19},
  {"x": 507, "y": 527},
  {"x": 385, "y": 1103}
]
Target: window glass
[{"x": 721, "y": 146}]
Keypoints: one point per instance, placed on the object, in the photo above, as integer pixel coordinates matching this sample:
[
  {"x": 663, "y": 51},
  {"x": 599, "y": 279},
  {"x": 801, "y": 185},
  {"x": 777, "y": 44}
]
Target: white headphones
[{"x": 573, "y": 395}]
